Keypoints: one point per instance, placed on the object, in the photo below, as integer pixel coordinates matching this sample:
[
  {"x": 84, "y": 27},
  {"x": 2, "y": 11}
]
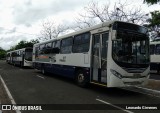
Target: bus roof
[
  {"x": 108, "y": 23},
  {"x": 20, "y": 49}
]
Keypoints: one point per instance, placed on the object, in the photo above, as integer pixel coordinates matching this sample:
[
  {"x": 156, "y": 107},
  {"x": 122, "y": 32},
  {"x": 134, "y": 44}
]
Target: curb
[
  {"x": 145, "y": 90},
  {"x": 152, "y": 92},
  {"x": 8, "y": 93}
]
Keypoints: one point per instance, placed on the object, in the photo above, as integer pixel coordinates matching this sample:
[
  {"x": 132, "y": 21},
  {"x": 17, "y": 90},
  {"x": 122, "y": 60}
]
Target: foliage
[
  {"x": 155, "y": 18},
  {"x": 151, "y": 1},
  {"x": 2, "y": 53},
  {"x": 23, "y": 44},
  {"x": 154, "y": 25}
]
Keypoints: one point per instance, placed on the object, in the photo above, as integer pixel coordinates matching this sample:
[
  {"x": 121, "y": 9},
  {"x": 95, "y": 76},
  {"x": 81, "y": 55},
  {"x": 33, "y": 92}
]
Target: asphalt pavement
[{"x": 29, "y": 86}]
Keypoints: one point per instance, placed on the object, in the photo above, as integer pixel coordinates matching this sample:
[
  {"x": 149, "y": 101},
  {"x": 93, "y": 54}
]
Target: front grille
[
  {"x": 134, "y": 77},
  {"x": 133, "y": 83},
  {"x": 134, "y": 70}
]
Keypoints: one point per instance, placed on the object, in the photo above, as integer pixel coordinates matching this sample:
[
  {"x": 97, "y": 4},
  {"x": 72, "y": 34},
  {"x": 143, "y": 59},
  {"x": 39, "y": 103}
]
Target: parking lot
[{"x": 29, "y": 86}]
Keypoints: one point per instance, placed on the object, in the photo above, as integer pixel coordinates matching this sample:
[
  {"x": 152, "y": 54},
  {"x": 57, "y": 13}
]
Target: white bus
[
  {"x": 21, "y": 57},
  {"x": 155, "y": 55},
  {"x": 8, "y": 57},
  {"x": 111, "y": 54}
]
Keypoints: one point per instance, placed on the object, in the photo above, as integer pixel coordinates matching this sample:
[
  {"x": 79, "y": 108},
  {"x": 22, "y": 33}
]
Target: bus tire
[{"x": 81, "y": 79}]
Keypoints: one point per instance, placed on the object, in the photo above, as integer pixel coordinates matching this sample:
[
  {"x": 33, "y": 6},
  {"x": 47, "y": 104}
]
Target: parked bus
[
  {"x": 20, "y": 57},
  {"x": 155, "y": 55},
  {"x": 8, "y": 57},
  {"x": 111, "y": 54}
]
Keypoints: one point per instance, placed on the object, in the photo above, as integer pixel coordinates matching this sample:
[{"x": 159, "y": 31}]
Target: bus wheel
[
  {"x": 81, "y": 79},
  {"x": 43, "y": 71}
]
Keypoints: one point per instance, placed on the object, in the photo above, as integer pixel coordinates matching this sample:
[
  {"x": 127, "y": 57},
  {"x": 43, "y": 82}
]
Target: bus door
[{"x": 99, "y": 58}]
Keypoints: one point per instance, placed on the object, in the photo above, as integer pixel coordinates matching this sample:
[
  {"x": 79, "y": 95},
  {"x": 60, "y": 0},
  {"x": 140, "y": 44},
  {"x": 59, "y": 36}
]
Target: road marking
[
  {"x": 40, "y": 76},
  {"x": 114, "y": 106},
  {"x": 8, "y": 93}
]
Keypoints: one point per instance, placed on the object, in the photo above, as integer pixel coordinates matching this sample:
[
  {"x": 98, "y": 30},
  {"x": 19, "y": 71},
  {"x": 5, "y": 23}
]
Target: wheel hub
[{"x": 80, "y": 77}]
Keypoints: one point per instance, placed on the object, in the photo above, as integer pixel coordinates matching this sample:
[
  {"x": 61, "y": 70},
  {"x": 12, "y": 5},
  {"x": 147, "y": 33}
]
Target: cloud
[
  {"x": 11, "y": 40},
  {"x": 28, "y": 12},
  {"x": 24, "y": 17},
  {"x": 11, "y": 31},
  {"x": 1, "y": 29}
]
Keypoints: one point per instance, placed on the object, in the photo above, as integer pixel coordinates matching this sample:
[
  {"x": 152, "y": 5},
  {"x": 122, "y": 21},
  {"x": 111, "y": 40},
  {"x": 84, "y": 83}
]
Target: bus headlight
[{"x": 116, "y": 73}]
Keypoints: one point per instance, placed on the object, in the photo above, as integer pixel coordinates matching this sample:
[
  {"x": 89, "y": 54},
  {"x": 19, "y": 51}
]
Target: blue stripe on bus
[
  {"x": 63, "y": 70},
  {"x": 154, "y": 66}
]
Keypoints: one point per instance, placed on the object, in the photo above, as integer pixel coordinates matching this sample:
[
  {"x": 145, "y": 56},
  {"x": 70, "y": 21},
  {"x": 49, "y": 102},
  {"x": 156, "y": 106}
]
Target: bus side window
[
  {"x": 66, "y": 45},
  {"x": 56, "y": 47},
  {"x": 48, "y": 48},
  {"x": 81, "y": 43},
  {"x": 14, "y": 54},
  {"x": 19, "y": 54},
  {"x": 36, "y": 51},
  {"x": 41, "y": 49},
  {"x": 52, "y": 48}
]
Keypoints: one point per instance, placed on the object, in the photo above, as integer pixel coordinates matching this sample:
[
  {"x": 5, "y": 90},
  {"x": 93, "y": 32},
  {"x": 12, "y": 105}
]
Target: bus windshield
[
  {"x": 131, "y": 49},
  {"x": 28, "y": 54}
]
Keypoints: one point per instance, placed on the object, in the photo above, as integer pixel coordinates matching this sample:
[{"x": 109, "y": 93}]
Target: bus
[
  {"x": 111, "y": 54},
  {"x": 21, "y": 57},
  {"x": 8, "y": 57},
  {"x": 155, "y": 55}
]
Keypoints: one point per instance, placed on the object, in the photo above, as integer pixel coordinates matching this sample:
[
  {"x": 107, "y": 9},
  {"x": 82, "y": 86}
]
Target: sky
[{"x": 22, "y": 19}]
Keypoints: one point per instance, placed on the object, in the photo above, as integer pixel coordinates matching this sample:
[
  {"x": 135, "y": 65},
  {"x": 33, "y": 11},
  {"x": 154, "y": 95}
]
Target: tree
[
  {"x": 50, "y": 30},
  {"x": 24, "y": 44},
  {"x": 21, "y": 44},
  {"x": 155, "y": 18},
  {"x": 34, "y": 41},
  {"x": 151, "y": 1},
  {"x": 2, "y": 53},
  {"x": 94, "y": 13},
  {"x": 154, "y": 25}
]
